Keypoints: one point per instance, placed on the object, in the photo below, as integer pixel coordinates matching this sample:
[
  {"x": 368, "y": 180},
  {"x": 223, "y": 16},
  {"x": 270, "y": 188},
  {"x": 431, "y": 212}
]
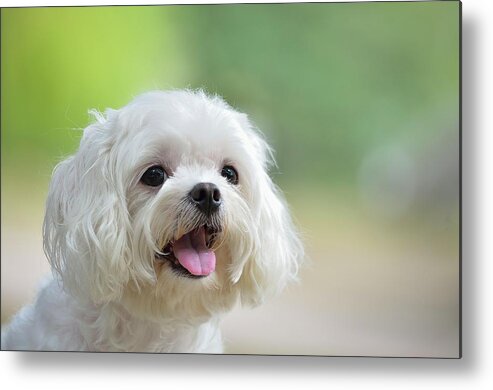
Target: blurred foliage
[{"x": 325, "y": 82}]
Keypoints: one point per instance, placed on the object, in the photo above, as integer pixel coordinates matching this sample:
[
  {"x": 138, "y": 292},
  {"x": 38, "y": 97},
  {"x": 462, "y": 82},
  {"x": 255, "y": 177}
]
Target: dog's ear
[
  {"x": 278, "y": 250},
  {"x": 86, "y": 225}
]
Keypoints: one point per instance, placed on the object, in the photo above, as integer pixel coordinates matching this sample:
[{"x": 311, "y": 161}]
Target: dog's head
[{"x": 167, "y": 207}]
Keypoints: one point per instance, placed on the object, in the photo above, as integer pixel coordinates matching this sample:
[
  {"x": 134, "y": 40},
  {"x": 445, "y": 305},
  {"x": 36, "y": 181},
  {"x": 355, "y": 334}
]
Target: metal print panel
[{"x": 277, "y": 179}]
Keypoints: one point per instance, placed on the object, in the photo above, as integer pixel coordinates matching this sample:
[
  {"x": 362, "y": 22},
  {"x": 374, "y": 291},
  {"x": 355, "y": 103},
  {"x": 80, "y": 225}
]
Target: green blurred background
[{"x": 360, "y": 102}]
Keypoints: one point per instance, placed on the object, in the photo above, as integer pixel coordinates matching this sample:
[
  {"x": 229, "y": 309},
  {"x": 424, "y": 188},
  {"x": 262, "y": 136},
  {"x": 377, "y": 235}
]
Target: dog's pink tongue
[{"x": 193, "y": 254}]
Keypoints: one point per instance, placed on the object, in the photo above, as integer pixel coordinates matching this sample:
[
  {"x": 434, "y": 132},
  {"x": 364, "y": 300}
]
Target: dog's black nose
[{"x": 206, "y": 197}]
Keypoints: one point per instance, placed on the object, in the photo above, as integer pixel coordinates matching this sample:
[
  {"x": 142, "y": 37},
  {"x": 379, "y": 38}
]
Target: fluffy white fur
[{"x": 103, "y": 228}]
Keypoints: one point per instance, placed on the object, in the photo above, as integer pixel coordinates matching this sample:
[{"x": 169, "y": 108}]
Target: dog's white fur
[{"x": 103, "y": 227}]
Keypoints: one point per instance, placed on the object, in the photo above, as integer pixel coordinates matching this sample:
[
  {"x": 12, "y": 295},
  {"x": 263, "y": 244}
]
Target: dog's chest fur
[{"x": 57, "y": 322}]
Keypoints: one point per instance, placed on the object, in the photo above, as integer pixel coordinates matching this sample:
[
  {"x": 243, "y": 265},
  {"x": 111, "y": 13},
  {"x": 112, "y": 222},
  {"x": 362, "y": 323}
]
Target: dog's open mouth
[{"x": 192, "y": 255}]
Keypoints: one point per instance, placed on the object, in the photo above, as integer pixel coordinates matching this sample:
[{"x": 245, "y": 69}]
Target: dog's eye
[
  {"x": 154, "y": 176},
  {"x": 230, "y": 174}
]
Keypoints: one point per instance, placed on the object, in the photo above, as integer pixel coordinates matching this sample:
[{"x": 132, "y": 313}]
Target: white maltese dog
[{"x": 163, "y": 219}]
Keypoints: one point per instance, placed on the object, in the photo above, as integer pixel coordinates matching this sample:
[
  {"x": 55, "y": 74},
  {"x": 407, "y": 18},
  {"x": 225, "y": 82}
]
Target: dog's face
[{"x": 167, "y": 208}]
